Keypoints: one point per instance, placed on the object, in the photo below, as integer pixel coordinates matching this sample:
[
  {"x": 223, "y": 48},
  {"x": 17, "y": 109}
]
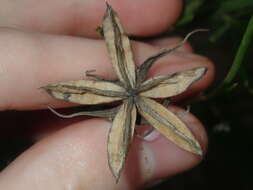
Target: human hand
[{"x": 75, "y": 156}]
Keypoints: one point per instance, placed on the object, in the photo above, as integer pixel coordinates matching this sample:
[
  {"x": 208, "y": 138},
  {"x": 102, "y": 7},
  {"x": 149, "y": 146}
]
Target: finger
[
  {"x": 29, "y": 61},
  {"x": 184, "y": 61},
  {"x": 75, "y": 17},
  {"x": 166, "y": 42},
  {"x": 75, "y": 157},
  {"x": 177, "y": 61}
]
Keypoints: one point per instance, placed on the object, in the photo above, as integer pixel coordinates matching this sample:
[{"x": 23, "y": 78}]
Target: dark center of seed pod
[{"x": 132, "y": 92}]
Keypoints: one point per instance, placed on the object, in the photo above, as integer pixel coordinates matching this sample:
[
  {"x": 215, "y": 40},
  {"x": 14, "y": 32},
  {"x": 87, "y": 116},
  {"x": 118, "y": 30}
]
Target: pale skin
[{"x": 40, "y": 45}]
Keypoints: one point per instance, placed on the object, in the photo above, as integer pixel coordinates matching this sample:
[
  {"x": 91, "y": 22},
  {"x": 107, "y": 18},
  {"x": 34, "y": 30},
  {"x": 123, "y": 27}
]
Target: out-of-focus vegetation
[{"x": 230, "y": 21}]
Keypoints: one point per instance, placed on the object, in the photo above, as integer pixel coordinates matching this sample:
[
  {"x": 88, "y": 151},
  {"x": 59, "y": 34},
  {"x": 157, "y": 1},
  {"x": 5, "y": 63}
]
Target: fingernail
[
  {"x": 146, "y": 161},
  {"x": 152, "y": 136}
]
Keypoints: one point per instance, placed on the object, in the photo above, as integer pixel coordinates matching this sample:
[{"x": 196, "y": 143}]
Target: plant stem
[{"x": 237, "y": 63}]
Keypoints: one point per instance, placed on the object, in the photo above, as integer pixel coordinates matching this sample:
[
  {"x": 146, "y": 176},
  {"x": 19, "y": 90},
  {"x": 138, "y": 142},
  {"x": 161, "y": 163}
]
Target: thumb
[{"x": 75, "y": 158}]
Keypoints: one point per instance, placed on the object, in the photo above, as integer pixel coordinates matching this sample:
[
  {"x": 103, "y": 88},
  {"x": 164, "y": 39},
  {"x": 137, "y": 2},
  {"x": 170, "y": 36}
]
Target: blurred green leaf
[
  {"x": 190, "y": 9},
  {"x": 235, "y": 5},
  {"x": 230, "y": 16},
  {"x": 238, "y": 61},
  {"x": 225, "y": 18},
  {"x": 219, "y": 32}
]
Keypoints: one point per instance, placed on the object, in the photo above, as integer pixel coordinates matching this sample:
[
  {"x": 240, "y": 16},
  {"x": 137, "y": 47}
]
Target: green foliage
[
  {"x": 222, "y": 16},
  {"x": 230, "y": 21},
  {"x": 227, "y": 83},
  {"x": 190, "y": 10}
]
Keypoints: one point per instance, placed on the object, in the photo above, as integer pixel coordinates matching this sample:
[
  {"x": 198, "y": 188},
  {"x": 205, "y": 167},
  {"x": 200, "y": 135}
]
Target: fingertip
[
  {"x": 203, "y": 83},
  {"x": 194, "y": 124},
  {"x": 181, "y": 61},
  {"x": 147, "y": 18},
  {"x": 167, "y": 158},
  {"x": 139, "y": 18},
  {"x": 81, "y": 18}
]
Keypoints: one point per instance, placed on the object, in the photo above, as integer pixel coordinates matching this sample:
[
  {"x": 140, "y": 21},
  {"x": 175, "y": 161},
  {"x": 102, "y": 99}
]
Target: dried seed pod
[{"x": 134, "y": 92}]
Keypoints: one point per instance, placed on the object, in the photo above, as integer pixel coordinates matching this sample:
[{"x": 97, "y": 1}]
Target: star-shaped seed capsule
[{"x": 135, "y": 93}]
